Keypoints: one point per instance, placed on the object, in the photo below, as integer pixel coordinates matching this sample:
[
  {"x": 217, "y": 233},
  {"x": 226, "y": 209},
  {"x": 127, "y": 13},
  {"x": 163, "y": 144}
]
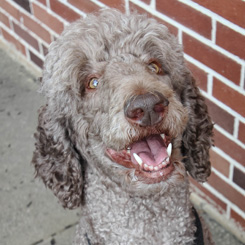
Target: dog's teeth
[
  {"x": 163, "y": 136},
  {"x": 151, "y": 168},
  {"x": 128, "y": 150},
  {"x": 146, "y": 167},
  {"x": 156, "y": 168},
  {"x": 165, "y": 162},
  {"x": 138, "y": 159},
  {"x": 169, "y": 149}
]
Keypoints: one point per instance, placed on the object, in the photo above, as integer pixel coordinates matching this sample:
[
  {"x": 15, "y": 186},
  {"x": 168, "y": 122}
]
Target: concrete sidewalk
[{"x": 30, "y": 213}]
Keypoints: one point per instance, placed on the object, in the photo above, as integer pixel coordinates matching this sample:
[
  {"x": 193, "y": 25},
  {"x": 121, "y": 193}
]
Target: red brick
[
  {"x": 199, "y": 75},
  {"x": 233, "y": 10},
  {"x": 226, "y": 190},
  {"x": 241, "y": 132},
  {"x": 26, "y": 36},
  {"x": 85, "y": 6},
  {"x": 207, "y": 194},
  {"x": 234, "y": 215},
  {"x": 24, "y": 4},
  {"x": 212, "y": 58},
  {"x": 43, "y": 2},
  {"x": 239, "y": 178},
  {"x": 36, "y": 28},
  {"x": 229, "y": 96},
  {"x": 230, "y": 40},
  {"x": 135, "y": 8},
  {"x": 10, "y": 9},
  {"x": 139, "y": 10},
  {"x": 14, "y": 41},
  {"x": 63, "y": 11},
  {"x": 45, "y": 50},
  {"x": 219, "y": 163},
  {"x": 4, "y": 19},
  {"x": 229, "y": 147},
  {"x": 220, "y": 116},
  {"x": 119, "y": 4},
  {"x": 36, "y": 60},
  {"x": 186, "y": 15},
  {"x": 48, "y": 19},
  {"x": 146, "y": 1}
]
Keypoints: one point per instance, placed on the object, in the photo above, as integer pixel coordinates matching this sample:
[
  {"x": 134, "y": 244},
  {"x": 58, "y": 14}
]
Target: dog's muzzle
[{"x": 150, "y": 155}]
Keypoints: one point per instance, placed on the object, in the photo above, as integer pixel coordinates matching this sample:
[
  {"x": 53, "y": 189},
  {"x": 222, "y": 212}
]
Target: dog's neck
[{"x": 102, "y": 215}]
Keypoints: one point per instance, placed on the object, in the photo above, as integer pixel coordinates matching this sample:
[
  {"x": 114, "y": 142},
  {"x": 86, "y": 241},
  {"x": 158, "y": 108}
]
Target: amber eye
[
  {"x": 93, "y": 83},
  {"x": 155, "y": 67}
]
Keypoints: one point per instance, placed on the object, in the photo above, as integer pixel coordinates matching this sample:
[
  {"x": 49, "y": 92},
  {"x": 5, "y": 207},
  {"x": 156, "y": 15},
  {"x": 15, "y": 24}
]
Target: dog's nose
[{"x": 146, "y": 109}]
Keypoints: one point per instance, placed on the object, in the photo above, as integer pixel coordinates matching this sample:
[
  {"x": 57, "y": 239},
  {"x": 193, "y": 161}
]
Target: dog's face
[
  {"x": 138, "y": 119},
  {"x": 135, "y": 116},
  {"x": 120, "y": 96}
]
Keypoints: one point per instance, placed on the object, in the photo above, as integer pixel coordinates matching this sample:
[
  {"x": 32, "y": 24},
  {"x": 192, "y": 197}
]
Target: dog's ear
[
  {"x": 56, "y": 160},
  {"x": 197, "y": 138}
]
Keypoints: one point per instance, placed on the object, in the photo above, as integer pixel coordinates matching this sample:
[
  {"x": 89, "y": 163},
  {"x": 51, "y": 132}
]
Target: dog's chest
[{"x": 117, "y": 218}]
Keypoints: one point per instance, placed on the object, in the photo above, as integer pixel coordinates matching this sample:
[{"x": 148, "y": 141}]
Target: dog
[{"x": 123, "y": 126}]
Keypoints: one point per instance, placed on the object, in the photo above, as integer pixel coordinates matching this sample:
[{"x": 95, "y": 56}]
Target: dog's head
[{"x": 120, "y": 99}]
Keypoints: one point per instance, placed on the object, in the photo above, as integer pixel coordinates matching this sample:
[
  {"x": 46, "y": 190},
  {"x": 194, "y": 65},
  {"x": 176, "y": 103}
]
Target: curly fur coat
[{"x": 122, "y": 125}]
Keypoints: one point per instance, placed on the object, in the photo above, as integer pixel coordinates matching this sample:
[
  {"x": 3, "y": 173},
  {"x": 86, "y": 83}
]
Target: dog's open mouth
[{"x": 150, "y": 157}]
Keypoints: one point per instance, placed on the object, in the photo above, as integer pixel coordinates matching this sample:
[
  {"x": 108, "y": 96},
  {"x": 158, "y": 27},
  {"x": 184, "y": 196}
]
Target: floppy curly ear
[
  {"x": 56, "y": 160},
  {"x": 197, "y": 138}
]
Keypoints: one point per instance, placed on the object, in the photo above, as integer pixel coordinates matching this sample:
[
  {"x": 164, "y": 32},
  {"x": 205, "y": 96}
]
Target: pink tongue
[{"x": 152, "y": 150}]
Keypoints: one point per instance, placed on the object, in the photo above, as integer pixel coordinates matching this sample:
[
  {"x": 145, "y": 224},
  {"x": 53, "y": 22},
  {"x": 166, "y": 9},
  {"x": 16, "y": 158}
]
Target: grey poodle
[{"x": 123, "y": 125}]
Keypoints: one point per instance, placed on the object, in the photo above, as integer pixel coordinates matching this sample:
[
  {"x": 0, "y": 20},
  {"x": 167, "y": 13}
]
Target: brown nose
[{"x": 146, "y": 109}]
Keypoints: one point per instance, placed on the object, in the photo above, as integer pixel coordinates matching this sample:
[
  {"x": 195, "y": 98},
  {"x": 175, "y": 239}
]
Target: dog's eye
[
  {"x": 93, "y": 83},
  {"x": 155, "y": 67}
]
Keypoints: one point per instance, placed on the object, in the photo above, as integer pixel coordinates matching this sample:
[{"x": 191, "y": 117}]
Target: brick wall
[{"x": 213, "y": 36}]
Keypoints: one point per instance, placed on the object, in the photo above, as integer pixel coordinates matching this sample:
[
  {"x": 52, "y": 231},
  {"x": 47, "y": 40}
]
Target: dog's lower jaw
[
  {"x": 137, "y": 173},
  {"x": 104, "y": 222}
]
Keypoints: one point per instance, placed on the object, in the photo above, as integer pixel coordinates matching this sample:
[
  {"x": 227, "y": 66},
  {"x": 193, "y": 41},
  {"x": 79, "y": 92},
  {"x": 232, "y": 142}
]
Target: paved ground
[{"x": 29, "y": 213}]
